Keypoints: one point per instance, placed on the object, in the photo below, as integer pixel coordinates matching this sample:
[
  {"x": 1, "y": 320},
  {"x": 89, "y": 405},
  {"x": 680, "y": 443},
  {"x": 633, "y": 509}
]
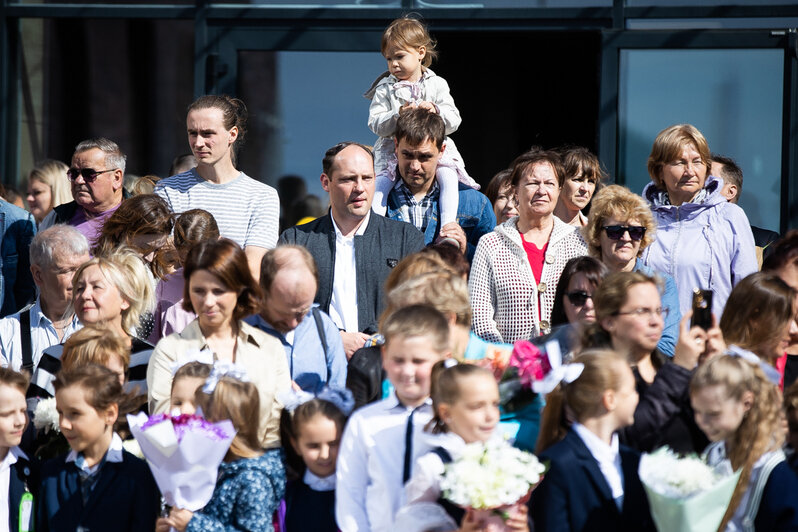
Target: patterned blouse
[
  {"x": 504, "y": 293},
  {"x": 247, "y": 493}
]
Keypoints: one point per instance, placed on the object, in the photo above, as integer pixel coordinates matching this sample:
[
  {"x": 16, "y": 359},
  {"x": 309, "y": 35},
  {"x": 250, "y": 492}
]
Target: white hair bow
[
  {"x": 224, "y": 369},
  {"x": 194, "y": 355},
  {"x": 342, "y": 398},
  {"x": 560, "y": 372},
  {"x": 770, "y": 372}
]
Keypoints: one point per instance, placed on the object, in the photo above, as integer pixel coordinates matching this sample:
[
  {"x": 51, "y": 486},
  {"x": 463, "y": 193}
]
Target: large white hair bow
[{"x": 224, "y": 369}]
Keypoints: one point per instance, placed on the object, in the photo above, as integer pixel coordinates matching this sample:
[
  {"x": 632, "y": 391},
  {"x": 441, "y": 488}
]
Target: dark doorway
[{"x": 518, "y": 89}]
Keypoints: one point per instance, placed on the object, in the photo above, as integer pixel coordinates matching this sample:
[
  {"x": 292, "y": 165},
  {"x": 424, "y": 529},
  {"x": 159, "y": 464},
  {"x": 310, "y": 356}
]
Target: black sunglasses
[
  {"x": 88, "y": 174},
  {"x": 615, "y": 232},
  {"x": 578, "y": 297}
]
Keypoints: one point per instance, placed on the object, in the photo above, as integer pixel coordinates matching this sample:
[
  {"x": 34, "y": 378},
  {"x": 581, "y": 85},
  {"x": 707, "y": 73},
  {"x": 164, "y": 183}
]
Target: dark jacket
[
  {"x": 575, "y": 497},
  {"x": 664, "y": 415},
  {"x": 24, "y": 476},
  {"x": 125, "y": 497},
  {"x": 364, "y": 375},
  {"x": 17, "y": 228},
  {"x": 384, "y": 243},
  {"x": 778, "y": 509}
]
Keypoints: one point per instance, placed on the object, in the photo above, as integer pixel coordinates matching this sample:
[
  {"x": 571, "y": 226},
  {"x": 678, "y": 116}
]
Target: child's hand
[
  {"x": 178, "y": 519},
  {"x": 429, "y": 106},
  {"x": 518, "y": 519},
  {"x": 470, "y": 523},
  {"x": 407, "y": 107}
]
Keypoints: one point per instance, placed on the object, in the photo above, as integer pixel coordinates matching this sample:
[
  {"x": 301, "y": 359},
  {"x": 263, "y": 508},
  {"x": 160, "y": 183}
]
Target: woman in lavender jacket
[{"x": 703, "y": 241}]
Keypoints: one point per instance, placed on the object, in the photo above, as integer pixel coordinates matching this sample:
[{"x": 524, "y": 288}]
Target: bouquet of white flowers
[
  {"x": 492, "y": 478},
  {"x": 685, "y": 494},
  {"x": 46, "y": 416}
]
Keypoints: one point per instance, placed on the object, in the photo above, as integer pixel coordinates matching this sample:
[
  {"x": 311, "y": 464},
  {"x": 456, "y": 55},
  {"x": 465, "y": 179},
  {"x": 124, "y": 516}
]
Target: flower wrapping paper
[
  {"x": 184, "y": 454},
  {"x": 685, "y": 494}
]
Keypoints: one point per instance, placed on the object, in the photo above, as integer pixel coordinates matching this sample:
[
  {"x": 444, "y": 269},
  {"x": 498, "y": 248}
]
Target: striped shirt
[
  {"x": 41, "y": 385},
  {"x": 246, "y": 211}
]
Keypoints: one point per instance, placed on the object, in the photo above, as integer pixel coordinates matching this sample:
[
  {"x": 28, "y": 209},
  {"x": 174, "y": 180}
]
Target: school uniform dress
[
  {"x": 310, "y": 504},
  {"x": 19, "y": 480},
  {"x": 590, "y": 486},
  {"x": 770, "y": 504},
  {"x": 379, "y": 446},
  {"x": 116, "y": 494}
]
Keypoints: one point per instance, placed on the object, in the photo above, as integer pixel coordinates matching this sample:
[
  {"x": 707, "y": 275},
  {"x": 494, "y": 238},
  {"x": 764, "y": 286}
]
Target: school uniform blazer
[
  {"x": 377, "y": 251},
  {"x": 125, "y": 497},
  {"x": 23, "y": 474},
  {"x": 575, "y": 497}
]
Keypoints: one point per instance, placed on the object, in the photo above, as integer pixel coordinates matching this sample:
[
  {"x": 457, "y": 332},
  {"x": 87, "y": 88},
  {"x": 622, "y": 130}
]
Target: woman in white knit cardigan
[{"x": 515, "y": 269}]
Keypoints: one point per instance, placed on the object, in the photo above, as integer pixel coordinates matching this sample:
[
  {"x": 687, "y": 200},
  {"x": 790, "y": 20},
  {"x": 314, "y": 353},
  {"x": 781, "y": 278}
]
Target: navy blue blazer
[
  {"x": 574, "y": 496},
  {"x": 778, "y": 509},
  {"x": 125, "y": 497},
  {"x": 24, "y": 476},
  {"x": 381, "y": 246}
]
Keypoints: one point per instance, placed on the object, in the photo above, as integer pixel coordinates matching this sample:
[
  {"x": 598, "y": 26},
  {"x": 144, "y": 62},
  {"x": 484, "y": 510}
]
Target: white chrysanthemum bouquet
[
  {"x": 491, "y": 476},
  {"x": 45, "y": 416},
  {"x": 685, "y": 493}
]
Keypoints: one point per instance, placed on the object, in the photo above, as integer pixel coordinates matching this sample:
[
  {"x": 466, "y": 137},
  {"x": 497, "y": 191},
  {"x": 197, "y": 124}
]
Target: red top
[{"x": 536, "y": 257}]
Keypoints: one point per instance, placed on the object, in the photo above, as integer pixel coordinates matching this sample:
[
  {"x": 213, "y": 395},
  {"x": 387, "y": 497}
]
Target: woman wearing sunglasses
[
  {"x": 703, "y": 241},
  {"x": 619, "y": 228},
  {"x": 517, "y": 266}
]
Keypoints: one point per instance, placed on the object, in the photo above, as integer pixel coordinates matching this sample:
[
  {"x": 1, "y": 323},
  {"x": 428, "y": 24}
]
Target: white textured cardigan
[{"x": 504, "y": 294}]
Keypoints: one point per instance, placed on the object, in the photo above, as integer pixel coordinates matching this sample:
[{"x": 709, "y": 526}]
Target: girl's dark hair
[
  {"x": 445, "y": 389},
  {"x": 101, "y": 386},
  {"x": 197, "y": 370},
  {"x": 594, "y": 270},
  {"x": 191, "y": 228},
  {"x": 145, "y": 214},
  {"x": 238, "y": 402},
  {"x": 234, "y": 114},
  {"x": 226, "y": 260},
  {"x": 582, "y": 398},
  {"x": 497, "y": 183},
  {"x": 291, "y": 426}
]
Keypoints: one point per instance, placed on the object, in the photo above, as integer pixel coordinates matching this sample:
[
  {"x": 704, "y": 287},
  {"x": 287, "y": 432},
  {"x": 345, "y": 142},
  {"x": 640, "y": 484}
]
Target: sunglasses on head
[
  {"x": 88, "y": 174},
  {"x": 615, "y": 232},
  {"x": 578, "y": 297}
]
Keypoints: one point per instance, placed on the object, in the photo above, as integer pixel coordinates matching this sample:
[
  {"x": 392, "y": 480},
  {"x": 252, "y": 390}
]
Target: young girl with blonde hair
[
  {"x": 465, "y": 402},
  {"x": 739, "y": 409},
  {"x": 592, "y": 481},
  {"x": 408, "y": 84}
]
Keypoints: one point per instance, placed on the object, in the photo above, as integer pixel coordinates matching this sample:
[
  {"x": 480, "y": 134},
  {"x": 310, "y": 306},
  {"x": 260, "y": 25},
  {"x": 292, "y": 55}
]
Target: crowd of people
[{"x": 347, "y": 351}]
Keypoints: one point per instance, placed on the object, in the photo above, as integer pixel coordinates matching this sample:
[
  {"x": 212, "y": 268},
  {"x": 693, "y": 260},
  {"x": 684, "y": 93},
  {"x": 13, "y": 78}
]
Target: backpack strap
[
  {"x": 322, "y": 335},
  {"x": 752, "y": 508},
  {"x": 25, "y": 340}
]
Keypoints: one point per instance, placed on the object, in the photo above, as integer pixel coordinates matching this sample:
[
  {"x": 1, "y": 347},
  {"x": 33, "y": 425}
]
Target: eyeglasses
[
  {"x": 89, "y": 174},
  {"x": 578, "y": 297},
  {"x": 642, "y": 312},
  {"x": 615, "y": 232}
]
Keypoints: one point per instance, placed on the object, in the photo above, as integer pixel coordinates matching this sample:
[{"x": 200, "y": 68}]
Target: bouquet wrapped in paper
[
  {"x": 492, "y": 478},
  {"x": 184, "y": 453},
  {"x": 684, "y": 493}
]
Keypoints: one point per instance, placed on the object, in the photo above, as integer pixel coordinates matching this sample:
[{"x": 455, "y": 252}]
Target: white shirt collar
[
  {"x": 360, "y": 230},
  {"x": 14, "y": 454},
  {"x": 317, "y": 483},
  {"x": 114, "y": 453},
  {"x": 392, "y": 401},
  {"x": 37, "y": 315},
  {"x": 600, "y": 450}
]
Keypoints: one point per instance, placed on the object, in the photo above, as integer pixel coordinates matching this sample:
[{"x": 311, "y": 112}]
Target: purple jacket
[{"x": 706, "y": 243}]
